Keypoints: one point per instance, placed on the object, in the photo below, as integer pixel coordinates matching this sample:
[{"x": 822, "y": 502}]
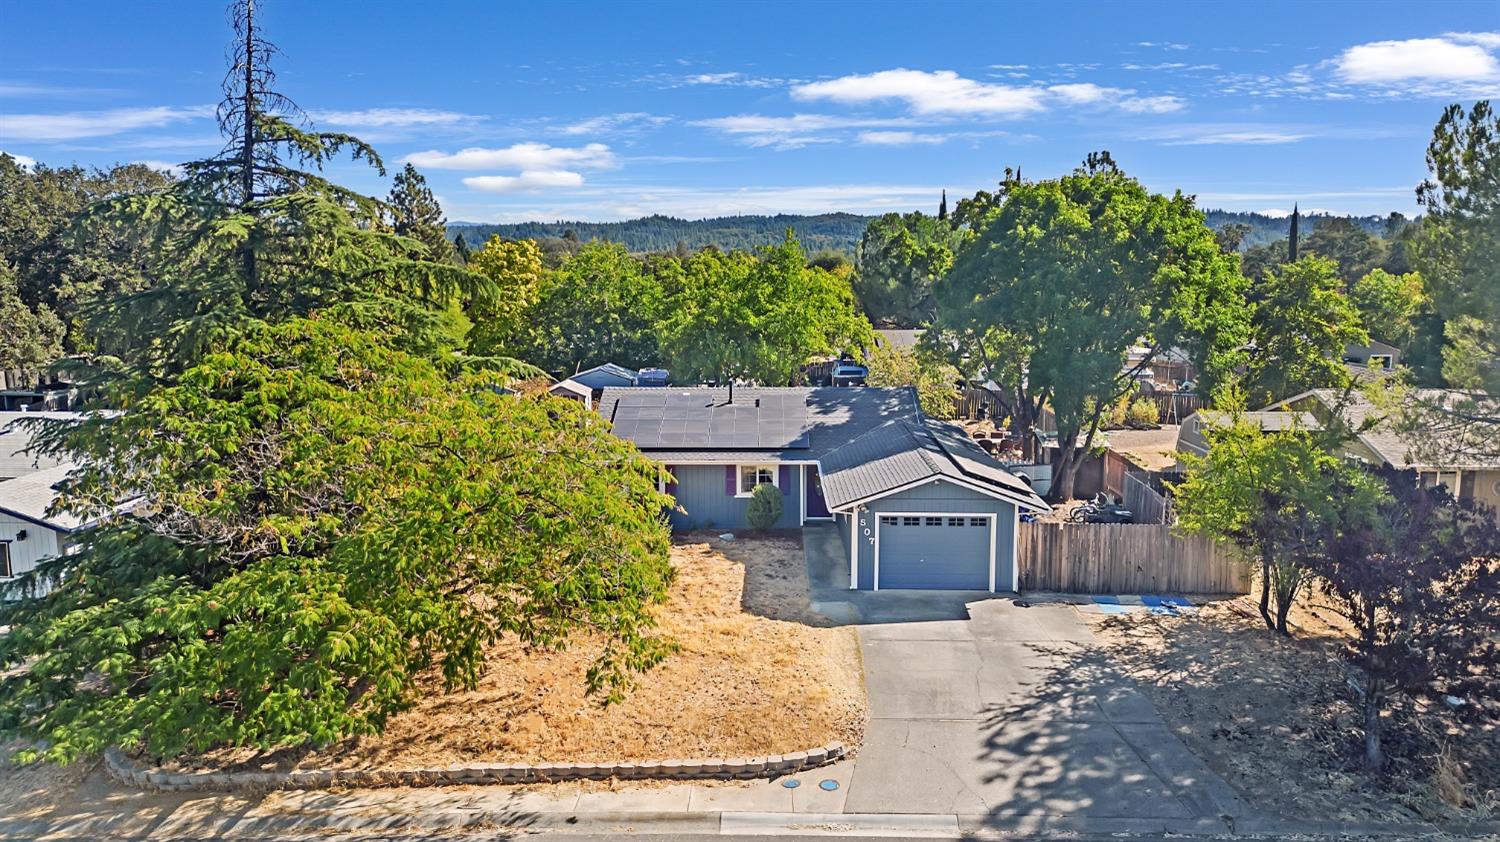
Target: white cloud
[
  {"x": 796, "y": 131},
  {"x": 164, "y": 166},
  {"x": 945, "y": 93},
  {"x": 899, "y": 138},
  {"x": 1207, "y": 134},
  {"x": 1152, "y": 104},
  {"x": 712, "y": 78},
  {"x": 24, "y": 160},
  {"x": 381, "y": 118},
  {"x": 1430, "y": 59},
  {"x": 537, "y": 157},
  {"x": 1280, "y": 213},
  {"x": 527, "y": 181},
  {"x": 1087, "y": 93},
  {"x": 79, "y": 124},
  {"x": 936, "y": 92},
  {"x": 1164, "y": 45},
  {"x": 1489, "y": 40},
  {"x": 615, "y": 123}
]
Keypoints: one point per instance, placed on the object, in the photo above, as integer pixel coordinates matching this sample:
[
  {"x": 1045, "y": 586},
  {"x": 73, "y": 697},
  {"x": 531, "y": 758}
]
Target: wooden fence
[
  {"x": 1126, "y": 558},
  {"x": 1146, "y": 503}
]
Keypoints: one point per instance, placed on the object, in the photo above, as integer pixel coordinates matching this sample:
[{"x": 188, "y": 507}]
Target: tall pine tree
[
  {"x": 415, "y": 213},
  {"x": 256, "y": 233}
]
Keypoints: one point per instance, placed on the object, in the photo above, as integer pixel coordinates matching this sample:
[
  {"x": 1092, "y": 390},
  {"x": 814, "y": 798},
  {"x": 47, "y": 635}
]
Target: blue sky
[{"x": 613, "y": 110}]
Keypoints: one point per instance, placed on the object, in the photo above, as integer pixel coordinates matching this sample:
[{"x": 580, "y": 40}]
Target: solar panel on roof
[{"x": 667, "y": 418}]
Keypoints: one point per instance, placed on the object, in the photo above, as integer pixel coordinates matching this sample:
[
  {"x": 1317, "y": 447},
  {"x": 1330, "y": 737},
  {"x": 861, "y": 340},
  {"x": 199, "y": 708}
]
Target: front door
[{"x": 816, "y": 505}]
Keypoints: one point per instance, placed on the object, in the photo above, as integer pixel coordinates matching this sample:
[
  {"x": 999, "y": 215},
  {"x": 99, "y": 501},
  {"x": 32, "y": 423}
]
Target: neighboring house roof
[
  {"x": 604, "y": 376},
  {"x": 1191, "y": 438},
  {"x": 572, "y": 387},
  {"x": 15, "y": 438},
  {"x": 1438, "y": 448},
  {"x": 31, "y": 496},
  {"x": 893, "y": 338},
  {"x": 867, "y": 441}
]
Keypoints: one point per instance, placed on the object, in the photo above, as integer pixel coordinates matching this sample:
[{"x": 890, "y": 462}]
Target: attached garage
[
  {"x": 920, "y": 506},
  {"x": 953, "y": 552}
]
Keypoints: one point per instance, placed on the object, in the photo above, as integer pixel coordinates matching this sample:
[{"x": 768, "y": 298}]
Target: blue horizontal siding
[{"x": 703, "y": 504}]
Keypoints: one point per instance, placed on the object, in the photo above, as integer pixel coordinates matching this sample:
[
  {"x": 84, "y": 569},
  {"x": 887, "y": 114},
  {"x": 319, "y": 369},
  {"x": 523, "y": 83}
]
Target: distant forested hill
[
  {"x": 835, "y": 231},
  {"x": 1268, "y": 229},
  {"x": 839, "y": 231}
]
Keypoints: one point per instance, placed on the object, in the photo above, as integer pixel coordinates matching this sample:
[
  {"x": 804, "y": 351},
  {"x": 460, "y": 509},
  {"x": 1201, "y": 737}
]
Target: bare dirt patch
[
  {"x": 33, "y": 789},
  {"x": 757, "y": 673},
  {"x": 1154, "y": 450},
  {"x": 1279, "y": 721}
]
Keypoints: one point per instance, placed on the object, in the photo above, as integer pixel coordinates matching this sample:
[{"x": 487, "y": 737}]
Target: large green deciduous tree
[
  {"x": 1353, "y": 250},
  {"x": 1066, "y": 275},
  {"x": 1389, "y": 304},
  {"x": 759, "y": 318},
  {"x": 898, "y": 260},
  {"x": 1300, "y": 323},
  {"x": 502, "y": 320},
  {"x": 56, "y": 272},
  {"x": 30, "y": 336},
  {"x": 935, "y": 381},
  {"x": 601, "y": 306},
  {"x": 322, "y": 517}
]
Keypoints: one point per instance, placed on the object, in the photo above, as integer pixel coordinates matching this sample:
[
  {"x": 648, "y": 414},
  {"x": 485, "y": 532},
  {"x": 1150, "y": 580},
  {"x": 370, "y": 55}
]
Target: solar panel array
[{"x": 671, "y": 418}]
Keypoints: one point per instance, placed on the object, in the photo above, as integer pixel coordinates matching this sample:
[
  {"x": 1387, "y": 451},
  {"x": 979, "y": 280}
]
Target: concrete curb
[{"x": 128, "y": 772}]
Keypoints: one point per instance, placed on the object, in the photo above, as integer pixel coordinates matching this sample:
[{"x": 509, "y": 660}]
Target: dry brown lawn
[
  {"x": 1278, "y": 720},
  {"x": 757, "y": 673}
]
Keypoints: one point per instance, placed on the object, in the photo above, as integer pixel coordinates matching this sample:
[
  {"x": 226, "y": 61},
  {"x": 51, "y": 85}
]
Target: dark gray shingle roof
[{"x": 900, "y": 453}]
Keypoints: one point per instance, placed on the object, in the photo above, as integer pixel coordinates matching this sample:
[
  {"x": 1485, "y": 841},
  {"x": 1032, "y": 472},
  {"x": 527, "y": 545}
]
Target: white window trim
[{"x": 739, "y": 476}]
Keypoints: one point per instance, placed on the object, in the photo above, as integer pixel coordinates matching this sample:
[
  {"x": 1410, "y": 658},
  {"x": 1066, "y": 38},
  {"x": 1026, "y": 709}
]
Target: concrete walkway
[{"x": 979, "y": 705}]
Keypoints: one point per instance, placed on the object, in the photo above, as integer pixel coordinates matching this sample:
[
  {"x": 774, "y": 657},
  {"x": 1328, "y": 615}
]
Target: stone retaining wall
[{"x": 127, "y": 771}]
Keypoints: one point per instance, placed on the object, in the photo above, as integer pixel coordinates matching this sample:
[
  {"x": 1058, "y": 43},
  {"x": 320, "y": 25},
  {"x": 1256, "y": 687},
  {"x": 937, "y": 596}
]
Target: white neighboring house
[
  {"x": 15, "y": 438},
  {"x": 29, "y": 532}
]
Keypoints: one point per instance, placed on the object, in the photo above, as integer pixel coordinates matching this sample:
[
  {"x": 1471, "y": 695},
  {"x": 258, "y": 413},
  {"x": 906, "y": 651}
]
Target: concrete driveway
[{"x": 979, "y": 706}]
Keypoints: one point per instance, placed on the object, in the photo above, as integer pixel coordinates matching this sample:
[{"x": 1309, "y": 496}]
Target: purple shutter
[
  {"x": 784, "y": 479},
  {"x": 672, "y": 483},
  {"x": 729, "y": 480}
]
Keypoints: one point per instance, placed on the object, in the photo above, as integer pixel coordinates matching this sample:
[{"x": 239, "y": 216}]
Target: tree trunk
[
  {"x": 1373, "y": 702},
  {"x": 1064, "y": 473},
  {"x": 1265, "y": 592},
  {"x": 247, "y": 155},
  {"x": 1288, "y": 580}
]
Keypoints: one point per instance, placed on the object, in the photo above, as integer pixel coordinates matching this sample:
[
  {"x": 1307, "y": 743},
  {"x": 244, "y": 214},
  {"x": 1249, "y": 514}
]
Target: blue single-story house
[
  {"x": 918, "y": 504},
  {"x": 604, "y": 376}
]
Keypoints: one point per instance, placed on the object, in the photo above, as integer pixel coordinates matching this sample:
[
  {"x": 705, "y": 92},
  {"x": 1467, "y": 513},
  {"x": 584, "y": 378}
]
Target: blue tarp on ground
[
  {"x": 1167, "y": 604},
  {"x": 1109, "y": 605}
]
